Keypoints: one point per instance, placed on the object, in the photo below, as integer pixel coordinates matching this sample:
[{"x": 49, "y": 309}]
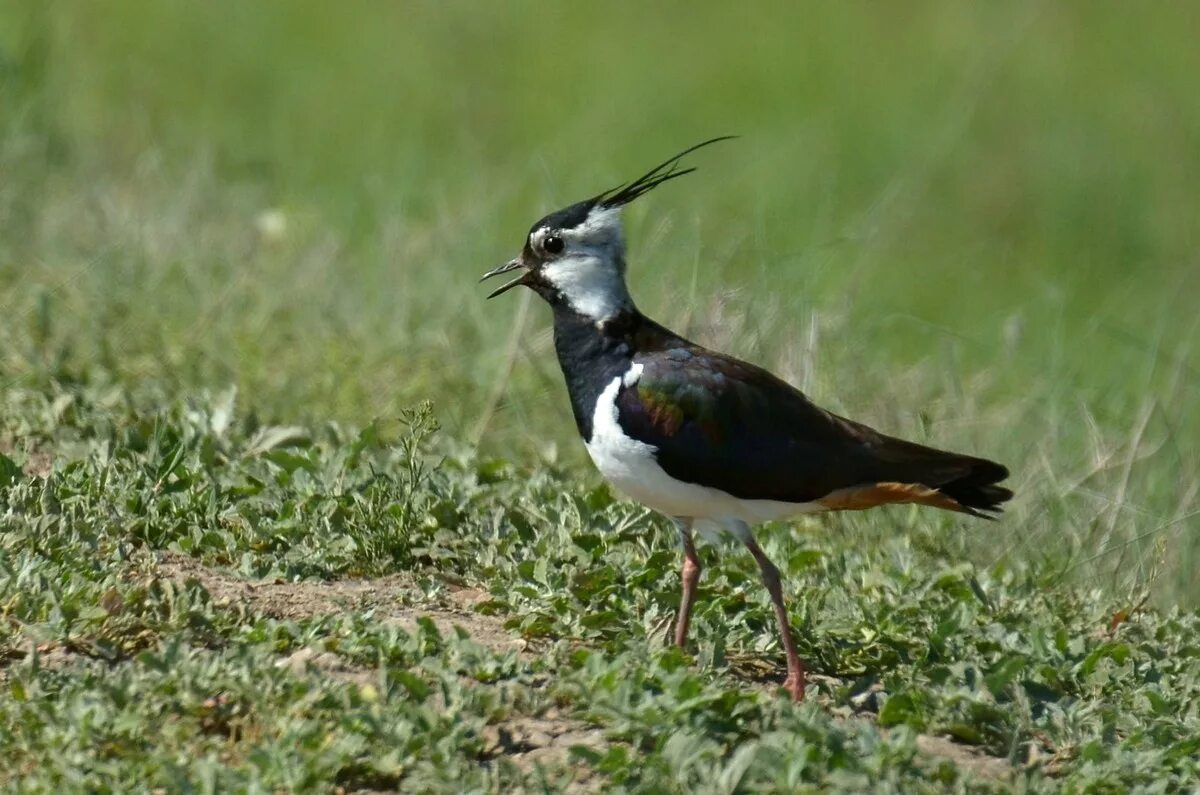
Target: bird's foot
[{"x": 794, "y": 684}]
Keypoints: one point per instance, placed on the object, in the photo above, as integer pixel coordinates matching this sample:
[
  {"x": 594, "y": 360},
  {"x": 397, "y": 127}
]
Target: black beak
[{"x": 505, "y": 268}]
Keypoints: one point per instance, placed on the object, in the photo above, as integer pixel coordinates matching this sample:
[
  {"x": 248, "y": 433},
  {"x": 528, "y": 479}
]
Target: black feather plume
[{"x": 667, "y": 170}]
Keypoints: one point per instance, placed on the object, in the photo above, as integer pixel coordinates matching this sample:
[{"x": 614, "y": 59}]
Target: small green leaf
[
  {"x": 16, "y": 689},
  {"x": 274, "y": 437},
  {"x": 10, "y": 473},
  {"x": 1001, "y": 676},
  {"x": 898, "y": 709},
  {"x": 1117, "y": 652}
]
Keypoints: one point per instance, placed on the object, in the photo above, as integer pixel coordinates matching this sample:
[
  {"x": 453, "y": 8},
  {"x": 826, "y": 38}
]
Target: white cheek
[{"x": 591, "y": 287}]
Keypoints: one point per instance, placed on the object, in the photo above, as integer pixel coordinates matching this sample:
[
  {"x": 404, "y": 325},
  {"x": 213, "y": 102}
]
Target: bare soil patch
[
  {"x": 546, "y": 742},
  {"x": 964, "y": 757},
  {"x": 931, "y": 749},
  {"x": 396, "y": 599},
  {"x": 526, "y": 741},
  {"x": 529, "y": 742},
  {"x": 37, "y": 462}
]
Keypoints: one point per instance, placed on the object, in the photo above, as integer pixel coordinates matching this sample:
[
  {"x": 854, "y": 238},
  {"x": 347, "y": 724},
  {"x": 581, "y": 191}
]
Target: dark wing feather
[{"x": 720, "y": 422}]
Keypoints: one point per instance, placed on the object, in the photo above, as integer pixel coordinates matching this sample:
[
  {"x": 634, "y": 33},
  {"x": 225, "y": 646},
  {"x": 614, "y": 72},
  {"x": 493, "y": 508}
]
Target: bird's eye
[{"x": 553, "y": 245}]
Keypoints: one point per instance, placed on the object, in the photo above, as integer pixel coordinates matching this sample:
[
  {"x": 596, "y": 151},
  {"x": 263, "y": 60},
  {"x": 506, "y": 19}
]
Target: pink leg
[
  {"x": 770, "y": 577},
  {"x": 690, "y": 576}
]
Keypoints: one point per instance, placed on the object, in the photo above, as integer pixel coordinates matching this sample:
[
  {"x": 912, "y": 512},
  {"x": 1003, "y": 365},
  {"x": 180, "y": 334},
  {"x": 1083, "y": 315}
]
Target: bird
[{"x": 714, "y": 443}]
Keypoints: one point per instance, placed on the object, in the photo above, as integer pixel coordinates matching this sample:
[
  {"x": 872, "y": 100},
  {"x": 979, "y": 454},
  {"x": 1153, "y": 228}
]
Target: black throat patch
[{"x": 592, "y": 354}]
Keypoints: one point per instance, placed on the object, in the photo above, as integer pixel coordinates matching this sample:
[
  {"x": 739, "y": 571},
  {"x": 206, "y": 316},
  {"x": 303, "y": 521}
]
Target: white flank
[{"x": 631, "y": 467}]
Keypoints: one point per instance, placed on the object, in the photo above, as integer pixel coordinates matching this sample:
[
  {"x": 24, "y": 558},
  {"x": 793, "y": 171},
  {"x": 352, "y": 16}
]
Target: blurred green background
[{"x": 976, "y": 224}]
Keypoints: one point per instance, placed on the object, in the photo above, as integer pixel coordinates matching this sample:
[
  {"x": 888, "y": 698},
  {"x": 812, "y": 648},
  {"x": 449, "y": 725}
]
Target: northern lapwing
[{"x": 710, "y": 441}]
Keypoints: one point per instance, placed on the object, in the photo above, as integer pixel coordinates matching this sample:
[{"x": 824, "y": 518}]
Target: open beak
[{"x": 505, "y": 268}]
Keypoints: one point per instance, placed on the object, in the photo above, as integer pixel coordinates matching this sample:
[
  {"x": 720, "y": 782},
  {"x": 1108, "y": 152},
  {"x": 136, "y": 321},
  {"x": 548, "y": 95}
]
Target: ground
[
  {"x": 202, "y": 598},
  {"x": 239, "y": 252},
  {"x": 528, "y": 741}
]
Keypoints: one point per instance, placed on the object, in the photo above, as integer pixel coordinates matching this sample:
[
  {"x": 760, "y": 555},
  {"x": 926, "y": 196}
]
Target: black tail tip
[
  {"x": 977, "y": 491},
  {"x": 986, "y": 501}
]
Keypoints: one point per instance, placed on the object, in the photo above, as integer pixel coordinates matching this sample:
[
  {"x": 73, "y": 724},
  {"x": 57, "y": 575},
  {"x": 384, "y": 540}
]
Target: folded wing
[{"x": 720, "y": 422}]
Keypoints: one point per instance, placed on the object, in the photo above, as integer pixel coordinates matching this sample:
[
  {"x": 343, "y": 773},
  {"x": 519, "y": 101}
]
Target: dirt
[
  {"x": 931, "y": 749},
  {"x": 38, "y": 463},
  {"x": 967, "y": 758},
  {"x": 545, "y": 742},
  {"x": 529, "y": 742},
  {"x": 395, "y": 599},
  {"x": 526, "y": 741}
]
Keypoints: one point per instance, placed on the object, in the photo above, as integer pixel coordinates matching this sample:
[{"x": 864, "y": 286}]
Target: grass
[
  {"x": 238, "y": 246},
  {"x": 122, "y": 675}
]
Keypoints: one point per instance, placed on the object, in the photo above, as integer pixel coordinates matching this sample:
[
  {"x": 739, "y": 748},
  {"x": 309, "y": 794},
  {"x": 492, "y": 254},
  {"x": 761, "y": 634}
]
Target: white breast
[{"x": 631, "y": 467}]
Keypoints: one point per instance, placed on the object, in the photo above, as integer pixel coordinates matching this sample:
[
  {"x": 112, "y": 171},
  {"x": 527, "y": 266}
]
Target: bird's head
[{"x": 576, "y": 257}]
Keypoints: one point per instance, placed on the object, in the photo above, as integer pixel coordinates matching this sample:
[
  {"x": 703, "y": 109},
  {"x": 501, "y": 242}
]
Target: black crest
[
  {"x": 667, "y": 170},
  {"x": 576, "y": 214}
]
